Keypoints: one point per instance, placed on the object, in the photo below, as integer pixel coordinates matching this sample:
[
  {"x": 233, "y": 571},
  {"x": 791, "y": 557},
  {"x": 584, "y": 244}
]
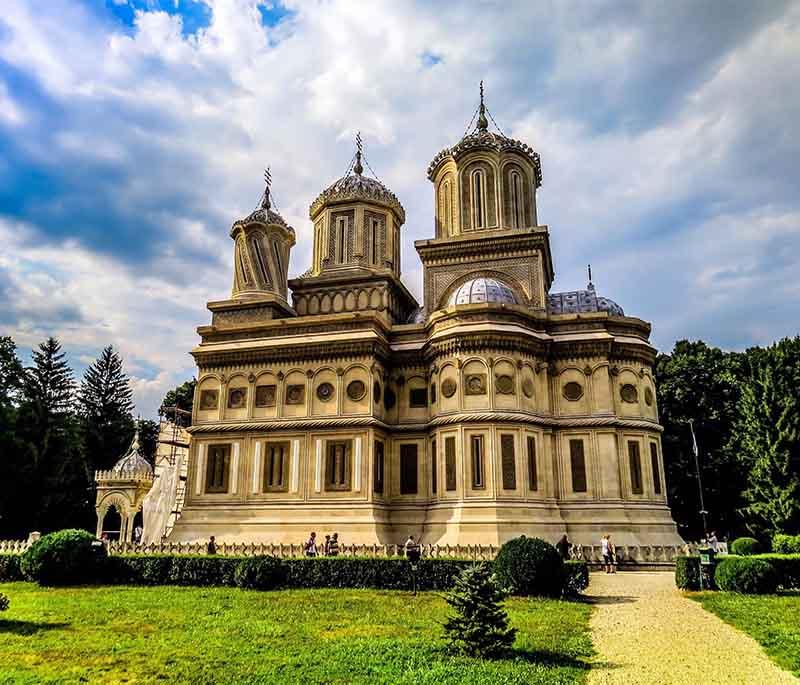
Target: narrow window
[
  {"x": 341, "y": 236},
  {"x": 242, "y": 265},
  {"x": 418, "y": 397},
  {"x": 508, "y": 462},
  {"x": 533, "y": 476},
  {"x": 374, "y": 236},
  {"x": 275, "y": 466},
  {"x": 337, "y": 467},
  {"x": 450, "y": 463},
  {"x": 218, "y": 468},
  {"x": 476, "y": 454},
  {"x": 478, "y": 198},
  {"x": 448, "y": 207},
  {"x": 656, "y": 470},
  {"x": 434, "y": 465},
  {"x": 378, "y": 468},
  {"x": 277, "y": 252},
  {"x": 261, "y": 263},
  {"x": 578, "y": 465},
  {"x": 408, "y": 469},
  {"x": 517, "y": 200},
  {"x": 636, "y": 467}
]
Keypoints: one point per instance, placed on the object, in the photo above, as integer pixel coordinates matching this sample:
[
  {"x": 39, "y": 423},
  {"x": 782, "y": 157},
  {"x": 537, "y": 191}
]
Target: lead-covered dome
[
  {"x": 132, "y": 461},
  {"x": 355, "y": 187},
  {"x": 482, "y": 289},
  {"x": 582, "y": 302}
]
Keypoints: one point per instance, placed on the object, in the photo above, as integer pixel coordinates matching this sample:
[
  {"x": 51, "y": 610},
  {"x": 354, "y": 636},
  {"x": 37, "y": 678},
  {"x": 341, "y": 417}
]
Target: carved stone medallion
[
  {"x": 209, "y": 399},
  {"x": 237, "y": 398},
  {"x": 475, "y": 384},
  {"x": 629, "y": 393},
  {"x": 648, "y": 397},
  {"x": 527, "y": 387},
  {"x": 295, "y": 394},
  {"x": 449, "y": 387},
  {"x": 265, "y": 395},
  {"x": 505, "y": 385},
  {"x": 572, "y": 391},
  {"x": 356, "y": 390},
  {"x": 325, "y": 392}
]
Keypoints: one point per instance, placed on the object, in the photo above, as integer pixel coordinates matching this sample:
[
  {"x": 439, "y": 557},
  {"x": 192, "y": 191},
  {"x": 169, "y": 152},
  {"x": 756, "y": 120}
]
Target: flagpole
[{"x": 703, "y": 511}]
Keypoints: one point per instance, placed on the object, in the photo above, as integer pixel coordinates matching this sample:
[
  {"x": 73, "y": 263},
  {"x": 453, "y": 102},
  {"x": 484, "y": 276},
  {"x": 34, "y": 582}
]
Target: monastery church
[{"x": 335, "y": 401}]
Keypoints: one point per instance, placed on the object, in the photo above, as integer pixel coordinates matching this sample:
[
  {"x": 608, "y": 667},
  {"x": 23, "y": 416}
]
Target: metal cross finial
[
  {"x": 268, "y": 180},
  {"x": 481, "y": 91},
  {"x": 483, "y": 123},
  {"x": 359, "y": 146},
  {"x": 590, "y": 273}
]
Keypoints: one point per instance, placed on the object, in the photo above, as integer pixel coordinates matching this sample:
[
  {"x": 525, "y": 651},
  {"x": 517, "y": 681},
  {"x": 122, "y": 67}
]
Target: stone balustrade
[{"x": 137, "y": 474}]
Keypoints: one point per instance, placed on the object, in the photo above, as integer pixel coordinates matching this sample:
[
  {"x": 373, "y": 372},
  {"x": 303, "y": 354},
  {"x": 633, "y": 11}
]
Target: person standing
[
  {"x": 713, "y": 542},
  {"x": 326, "y": 548},
  {"x": 211, "y": 547},
  {"x": 137, "y": 535},
  {"x": 411, "y": 548},
  {"x": 605, "y": 550},
  {"x": 563, "y": 546},
  {"x": 612, "y": 554},
  {"x": 333, "y": 546},
  {"x": 310, "y": 548}
]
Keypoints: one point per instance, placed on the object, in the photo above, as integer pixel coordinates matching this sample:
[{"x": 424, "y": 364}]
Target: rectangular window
[
  {"x": 408, "y": 469},
  {"x": 418, "y": 397},
  {"x": 450, "y": 463},
  {"x": 476, "y": 455},
  {"x": 508, "y": 462},
  {"x": 434, "y": 464},
  {"x": 378, "y": 475},
  {"x": 337, "y": 466},
  {"x": 341, "y": 234},
  {"x": 656, "y": 470},
  {"x": 374, "y": 237},
  {"x": 577, "y": 462},
  {"x": 218, "y": 468},
  {"x": 635, "y": 461},
  {"x": 276, "y": 467},
  {"x": 533, "y": 476}
]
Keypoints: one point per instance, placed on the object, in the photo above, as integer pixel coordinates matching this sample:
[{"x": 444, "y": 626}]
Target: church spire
[
  {"x": 358, "y": 168},
  {"x": 265, "y": 200},
  {"x": 483, "y": 122}
]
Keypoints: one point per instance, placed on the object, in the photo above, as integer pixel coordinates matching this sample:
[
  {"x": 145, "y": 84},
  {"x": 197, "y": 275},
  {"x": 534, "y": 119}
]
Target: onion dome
[
  {"x": 582, "y": 302},
  {"x": 264, "y": 214},
  {"x": 479, "y": 290},
  {"x": 481, "y": 138},
  {"x": 132, "y": 461},
  {"x": 355, "y": 187}
]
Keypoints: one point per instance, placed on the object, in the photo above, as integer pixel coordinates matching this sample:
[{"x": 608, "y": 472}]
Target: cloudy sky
[{"x": 133, "y": 133}]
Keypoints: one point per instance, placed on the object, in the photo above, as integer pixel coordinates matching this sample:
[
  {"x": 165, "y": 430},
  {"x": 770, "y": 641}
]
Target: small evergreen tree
[
  {"x": 480, "y": 626},
  {"x": 106, "y": 411},
  {"x": 180, "y": 397}
]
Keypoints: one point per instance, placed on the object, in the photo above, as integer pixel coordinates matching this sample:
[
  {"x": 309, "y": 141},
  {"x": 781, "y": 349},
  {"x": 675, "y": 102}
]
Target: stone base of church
[{"x": 491, "y": 523}]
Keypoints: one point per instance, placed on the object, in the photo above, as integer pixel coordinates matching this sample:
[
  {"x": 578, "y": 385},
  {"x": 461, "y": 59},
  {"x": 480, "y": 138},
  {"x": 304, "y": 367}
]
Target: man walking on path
[{"x": 310, "y": 548}]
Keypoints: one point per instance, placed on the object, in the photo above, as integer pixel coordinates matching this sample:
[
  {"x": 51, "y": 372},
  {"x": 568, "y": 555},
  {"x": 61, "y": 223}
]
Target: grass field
[
  {"x": 226, "y": 635},
  {"x": 773, "y": 620}
]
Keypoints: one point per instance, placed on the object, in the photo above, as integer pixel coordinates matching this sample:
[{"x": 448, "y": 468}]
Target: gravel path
[{"x": 645, "y": 631}]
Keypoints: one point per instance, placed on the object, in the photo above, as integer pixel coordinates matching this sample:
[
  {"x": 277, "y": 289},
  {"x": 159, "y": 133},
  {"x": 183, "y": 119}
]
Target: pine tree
[
  {"x": 106, "y": 411},
  {"x": 480, "y": 626},
  {"x": 11, "y": 452},
  {"x": 766, "y": 438}
]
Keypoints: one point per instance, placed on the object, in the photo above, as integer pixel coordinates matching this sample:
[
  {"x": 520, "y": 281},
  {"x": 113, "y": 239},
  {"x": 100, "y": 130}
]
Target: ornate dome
[
  {"x": 263, "y": 214},
  {"x": 482, "y": 289},
  {"x": 354, "y": 187},
  {"x": 582, "y": 301},
  {"x": 132, "y": 461}
]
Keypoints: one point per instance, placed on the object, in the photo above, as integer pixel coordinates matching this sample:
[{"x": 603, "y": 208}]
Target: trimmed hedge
[
  {"x": 787, "y": 567},
  {"x": 747, "y": 575},
  {"x": 786, "y": 544},
  {"x": 746, "y": 547},
  {"x": 687, "y": 572},
  {"x": 260, "y": 573},
  {"x": 66, "y": 557},
  {"x": 9, "y": 568},
  {"x": 3, "y": 602},
  {"x": 576, "y": 577},
  {"x": 530, "y": 566},
  {"x": 171, "y": 569}
]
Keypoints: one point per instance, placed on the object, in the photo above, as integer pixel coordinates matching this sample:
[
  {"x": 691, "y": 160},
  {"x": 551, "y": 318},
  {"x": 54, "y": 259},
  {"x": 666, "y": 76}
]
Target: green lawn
[
  {"x": 773, "y": 620},
  {"x": 226, "y": 635}
]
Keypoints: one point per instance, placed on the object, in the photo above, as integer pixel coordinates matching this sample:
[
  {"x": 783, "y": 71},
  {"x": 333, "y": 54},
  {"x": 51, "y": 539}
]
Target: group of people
[
  {"x": 607, "y": 549},
  {"x": 330, "y": 548}
]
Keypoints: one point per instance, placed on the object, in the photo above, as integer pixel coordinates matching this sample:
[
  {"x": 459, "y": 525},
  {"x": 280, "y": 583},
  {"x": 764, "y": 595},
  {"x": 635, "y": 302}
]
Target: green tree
[
  {"x": 106, "y": 412},
  {"x": 699, "y": 382},
  {"x": 480, "y": 625},
  {"x": 11, "y": 453},
  {"x": 148, "y": 438},
  {"x": 182, "y": 398},
  {"x": 766, "y": 438}
]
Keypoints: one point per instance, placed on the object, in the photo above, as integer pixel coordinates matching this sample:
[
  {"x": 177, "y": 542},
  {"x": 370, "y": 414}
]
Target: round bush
[
  {"x": 745, "y": 547},
  {"x": 3, "y": 602},
  {"x": 67, "y": 557},
  {"x": 260, "y": 573},
  {"x": 747, "y": 576},
  {"x": 529, "y": 566}
]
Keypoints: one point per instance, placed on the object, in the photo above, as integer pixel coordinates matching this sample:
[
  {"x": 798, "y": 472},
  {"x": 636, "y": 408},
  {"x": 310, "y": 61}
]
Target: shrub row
[
  {"x": 757, "y": 574},
  {"x": 786, "y": 544},
  {"x": 746, "y": 547},
  {"x": 9, "y": 568}
]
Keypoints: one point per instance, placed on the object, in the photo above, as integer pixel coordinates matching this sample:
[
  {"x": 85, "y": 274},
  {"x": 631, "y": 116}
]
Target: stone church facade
[{"x": 497, "y": 408}]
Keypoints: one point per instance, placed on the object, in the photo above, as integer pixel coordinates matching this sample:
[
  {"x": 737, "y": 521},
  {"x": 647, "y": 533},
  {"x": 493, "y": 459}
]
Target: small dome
[
  {"x": 355, "y": 187},
  {"x": 480, "y": 290},
  {"x": 264, "y": 216},
  {"x": 582, "y": 301},
  {"x": 132, "y": 461}
]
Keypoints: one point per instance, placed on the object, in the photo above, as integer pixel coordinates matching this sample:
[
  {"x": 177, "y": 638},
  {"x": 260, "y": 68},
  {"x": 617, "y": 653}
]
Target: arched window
[
  {"x": 517, "y": 200},
  {"x": 478, "y": 185},
  {"x": 446, "y": 208},
  {"x": 242, "y": 263},
  {"x": 278, "y": 262}
]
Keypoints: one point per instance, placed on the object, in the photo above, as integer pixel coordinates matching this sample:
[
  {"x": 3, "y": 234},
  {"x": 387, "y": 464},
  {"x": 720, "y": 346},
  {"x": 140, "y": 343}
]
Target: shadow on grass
[
  {"x": 28, "y": 627},
  {"x": 614, "y": 599},
  {"x": 547, "y": 658}
]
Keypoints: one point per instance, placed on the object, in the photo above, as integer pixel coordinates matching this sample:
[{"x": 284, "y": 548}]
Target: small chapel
[{"x": 495, "y": 407}]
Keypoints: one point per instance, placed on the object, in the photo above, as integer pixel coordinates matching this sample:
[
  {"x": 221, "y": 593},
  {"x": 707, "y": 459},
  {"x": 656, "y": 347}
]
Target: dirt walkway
[{"x": 645, "y": 631}]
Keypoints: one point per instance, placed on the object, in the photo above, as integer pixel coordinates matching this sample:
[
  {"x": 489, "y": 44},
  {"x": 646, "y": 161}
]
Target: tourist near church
[{"x": 426, "y": 434}]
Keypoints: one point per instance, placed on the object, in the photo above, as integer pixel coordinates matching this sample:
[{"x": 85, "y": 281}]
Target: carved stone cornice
[{"x": 295, "y": 353}]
